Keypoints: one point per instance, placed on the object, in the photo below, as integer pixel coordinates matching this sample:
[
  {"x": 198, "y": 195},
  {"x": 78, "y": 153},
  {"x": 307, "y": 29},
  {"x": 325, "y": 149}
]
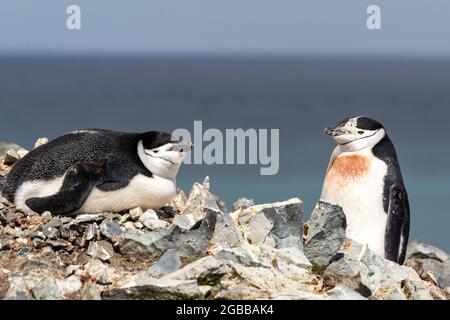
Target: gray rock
[
  {"x": 98, "y": 271},
  {"x": 4, "y": 147},
  {"x": 60, "y": 244},
  {"x": 46, "y": 216},
  {"x": 155, "y": 289},
  {"x": 420, "y": 250},
  {"x": 51, "y": 230},
  {"x": 199, "y": 203},
  {"x": 19, "y": 287},
  {"x": 240, "y": 255},
  {"x": 279, "y": 224},
  {"x": 97, "y": 251},
  {"x": 41, "y": 141},
  {"x": 69, "y": 285},
  {"x": 11, "y": 157},
  {"x": 47, "y": 289},
  {"x": 243, "y": 203},
  {"x": 432, "y": 270},
  {"x": 207, "y": 271},
  {"x": 293, "y": 256},
  {"x": 151, "y": 220},
  {"x": 326, "y": 233},
  {"x": 87, "y": 218},
  {"x": 221, "y": 204},
  {"x": 111, "y": 229},
  {"x": 91, "y": 291},
  {"x": 151, "y": 245},
  {"x": 39, "y": 243},
  {"x": 136, "y": 213},
  {"x": 373, "y": 276},
  {"x": 343, "y": 292},
  {"x": 169, "y": 262},
  {"x": 91, "y": 231},
  {"x": 226, "y": 233}
]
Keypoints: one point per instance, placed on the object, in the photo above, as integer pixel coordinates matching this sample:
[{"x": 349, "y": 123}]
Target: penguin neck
[{"x": 157, "y": 166}]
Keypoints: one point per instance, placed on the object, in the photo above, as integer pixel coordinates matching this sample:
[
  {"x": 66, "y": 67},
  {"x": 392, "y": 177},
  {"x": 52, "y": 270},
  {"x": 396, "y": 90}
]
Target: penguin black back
[{"x": 53, "y": 159}]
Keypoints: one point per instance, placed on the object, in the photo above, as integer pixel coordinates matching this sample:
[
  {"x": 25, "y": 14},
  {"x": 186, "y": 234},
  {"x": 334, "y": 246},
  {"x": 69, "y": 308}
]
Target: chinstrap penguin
[
  {"x": 364, "y": 178},
  {"x": 95, "y": 170}
]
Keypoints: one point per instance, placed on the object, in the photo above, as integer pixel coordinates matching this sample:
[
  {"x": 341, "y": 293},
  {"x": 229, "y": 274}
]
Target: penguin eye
[
  {"x": 360, "y": 132},
  {"x": 155, "y": 151}
]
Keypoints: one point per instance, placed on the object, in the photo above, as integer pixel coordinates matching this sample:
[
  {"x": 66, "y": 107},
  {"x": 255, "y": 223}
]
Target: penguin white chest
[
  {"x": 355, "y": 182},
  {"x": 142, "y": 191}
]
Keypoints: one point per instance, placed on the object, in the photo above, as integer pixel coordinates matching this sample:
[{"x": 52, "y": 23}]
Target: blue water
[{"x": 48, "y": 97}]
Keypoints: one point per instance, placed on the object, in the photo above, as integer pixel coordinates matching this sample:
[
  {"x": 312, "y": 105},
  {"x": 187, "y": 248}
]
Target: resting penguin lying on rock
[
  {"x": 91, "y": 171},
  {"x": 364, "y": 178}
]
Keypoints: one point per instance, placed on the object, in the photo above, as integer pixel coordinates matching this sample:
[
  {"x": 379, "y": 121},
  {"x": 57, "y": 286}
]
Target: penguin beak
[
  {"x": 334, "y": 132},
  {"x": 184, "y": 146}
]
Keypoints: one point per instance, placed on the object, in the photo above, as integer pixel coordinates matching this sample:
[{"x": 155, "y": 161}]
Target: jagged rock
[
  {"x": 90, "y": 232},
  {"x": 11, "y": 157},
  {"x": 431, "y": 264},
  {"x": 111, "y": 229},
  {"x": 199, "y": 203},
  {"x": 343, "y": 292},
  {"x": 371, "y": 275},
  {"x": 420, "y": 250},
  {"x": 279, "y": 224},
  {"x": 91, "y": 291},
  {"x": 155, "y": 289},
  {"x": 97, "y": 251},
  {"x": 169, "y": 262},
  {"x": 207, "y": 271},
  {"x": 41, "y": 141},
  {"x": 60, "y": 244},
  {"x": 38, "y": 243},
  {"x": 293, "y": 256},
  {"x": 4, "y": 147},
  {"x": 221, "y": 204},
  {"x": 136, "y": 213},
  {"x": 326, "y": 233},
  {"x": 46, "y": 217},
  {"x": 253, "y": 253},
  {"x": 47, "y": 289},
  {"x": 69, "y": 285},
  {"x": 241, "y": 255},
  {"x": 151, "y": 245},
  {"x": 98, "y": 271},
  {"x": 20, "y": 286},
  {"x": 4, "y": 283},
  {"x": 243, "y": 203},
  {"x": 151, "y": 220},
  {"x": 270, "y": 282},
  {"x": 87, "y": 218}
]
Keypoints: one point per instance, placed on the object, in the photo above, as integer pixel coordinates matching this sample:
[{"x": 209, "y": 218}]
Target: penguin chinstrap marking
[
  {"x": 91, "y": 171},
  {"x": 364, "y": 178}
]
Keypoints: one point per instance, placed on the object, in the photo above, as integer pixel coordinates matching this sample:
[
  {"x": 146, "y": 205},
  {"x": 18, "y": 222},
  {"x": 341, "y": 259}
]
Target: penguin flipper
[
  {"x": 397, "y": 226},
  {"x": 78, "y": 183}
]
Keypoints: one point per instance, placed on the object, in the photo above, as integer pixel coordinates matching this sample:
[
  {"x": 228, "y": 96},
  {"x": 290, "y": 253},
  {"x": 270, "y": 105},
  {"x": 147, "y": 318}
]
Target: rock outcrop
[{"x": 194, "y": 249}]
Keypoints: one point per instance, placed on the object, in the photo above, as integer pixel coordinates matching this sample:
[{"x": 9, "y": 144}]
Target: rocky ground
[{"x": 194, "y": 248}]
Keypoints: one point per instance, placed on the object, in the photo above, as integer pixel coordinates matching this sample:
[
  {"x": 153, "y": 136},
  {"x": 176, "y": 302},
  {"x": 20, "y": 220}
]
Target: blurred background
[{"x": 298, "y": 66}]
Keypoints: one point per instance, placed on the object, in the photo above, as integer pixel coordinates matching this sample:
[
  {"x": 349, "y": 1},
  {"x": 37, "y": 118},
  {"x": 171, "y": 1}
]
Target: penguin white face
[
  {"x": 357, "y": 133},
  {"x": 162, "y": 154}
]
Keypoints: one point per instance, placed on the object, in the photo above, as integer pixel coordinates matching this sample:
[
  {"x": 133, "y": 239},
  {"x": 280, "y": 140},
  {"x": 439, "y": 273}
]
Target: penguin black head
[
  {"x": 161, "y": 153},
  {"x": 357, "y": 133}
]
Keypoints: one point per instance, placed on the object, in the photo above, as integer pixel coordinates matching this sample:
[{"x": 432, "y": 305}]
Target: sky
[{"x": 287, "y": 27}]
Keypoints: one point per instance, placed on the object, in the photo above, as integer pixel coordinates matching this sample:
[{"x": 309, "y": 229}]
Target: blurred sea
[{"x": 50, "y": 96}]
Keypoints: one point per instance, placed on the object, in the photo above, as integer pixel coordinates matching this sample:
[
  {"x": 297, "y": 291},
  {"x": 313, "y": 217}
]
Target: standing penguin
[
  {"x": 364, "y": 178},
  {"x": 92, "y": 171}
]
